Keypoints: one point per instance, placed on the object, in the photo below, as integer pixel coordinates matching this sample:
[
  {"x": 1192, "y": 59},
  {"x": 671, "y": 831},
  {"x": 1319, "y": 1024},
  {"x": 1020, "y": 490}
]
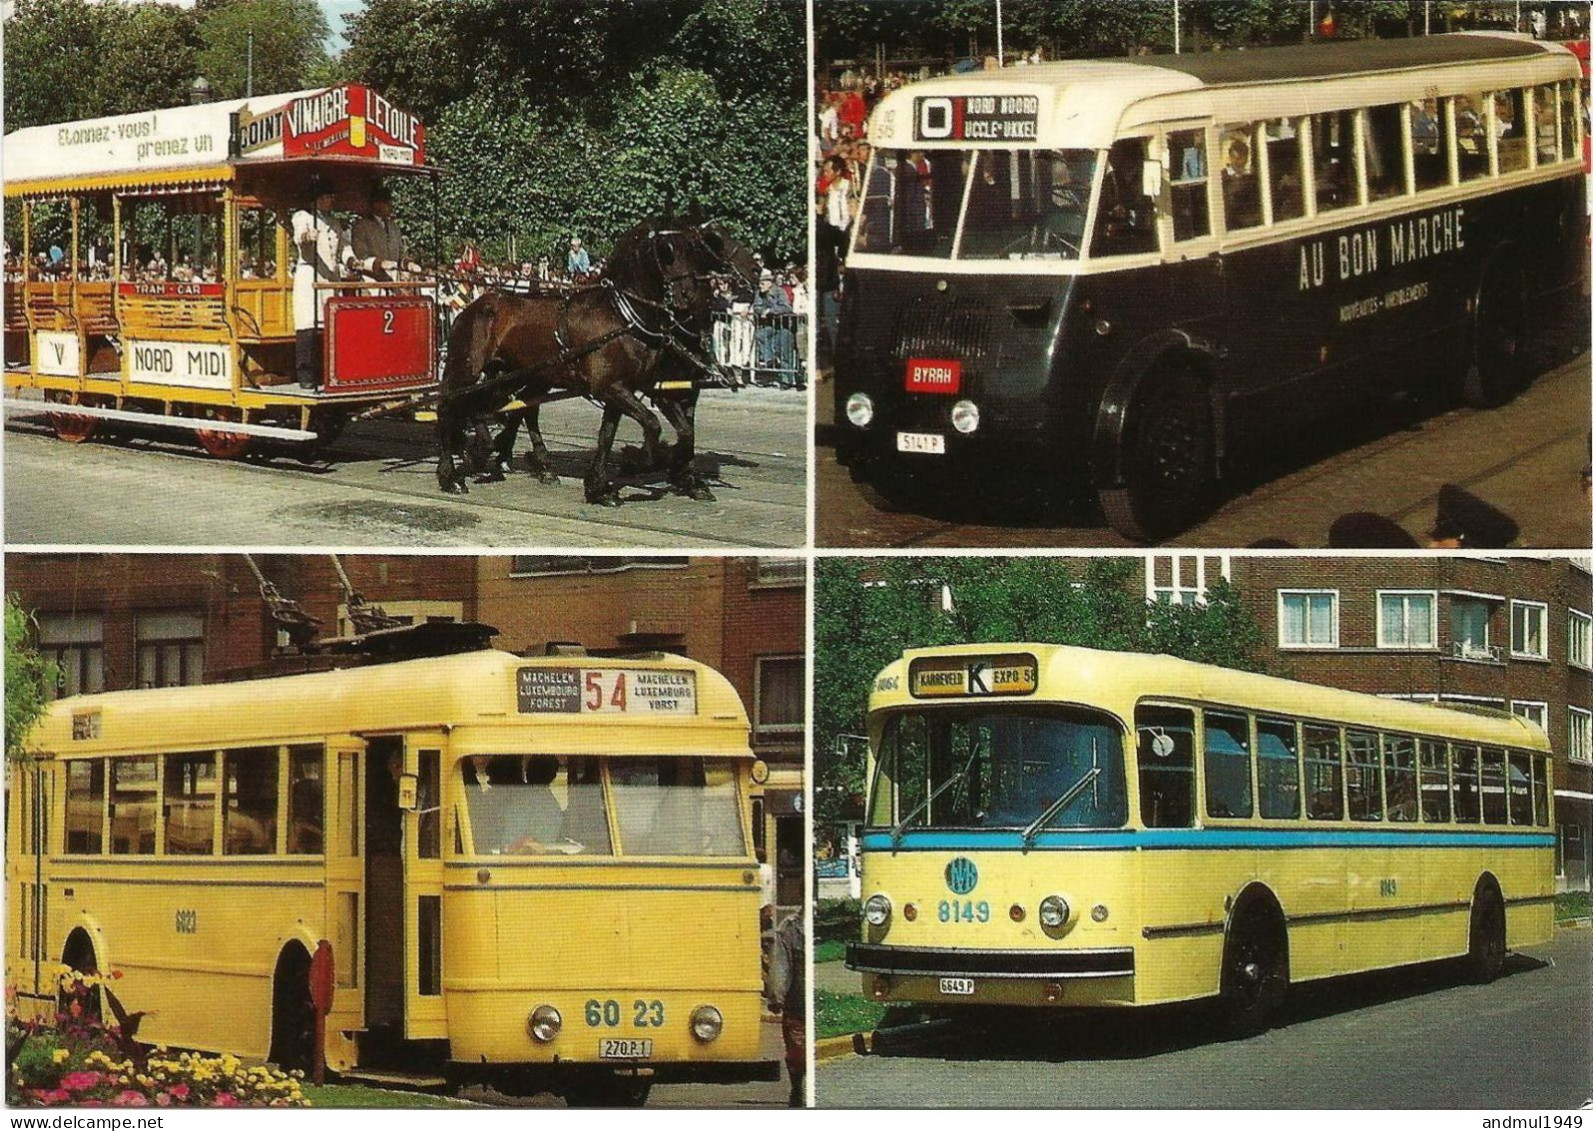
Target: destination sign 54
[
  {"x": 981, "y": 117},
  {"x": 946, "y": 676},
  {"x": 588, "y": 691}
]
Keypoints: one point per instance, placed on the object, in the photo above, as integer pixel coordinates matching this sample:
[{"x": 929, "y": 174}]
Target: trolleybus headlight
[
  {"x": 706, "y": 1023},
  {"x": 1053, "y": 912},
  {"x": 860, "y": 409},
  {"x": 965, "y": 417},
  {"x": 877, "y": 910},
  {"x": 545, "y": 1023}
]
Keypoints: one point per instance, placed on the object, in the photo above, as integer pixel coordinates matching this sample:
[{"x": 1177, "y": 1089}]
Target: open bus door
[
  {"x": 345, "y": 896},
  {"x": 420, "y": 797}
]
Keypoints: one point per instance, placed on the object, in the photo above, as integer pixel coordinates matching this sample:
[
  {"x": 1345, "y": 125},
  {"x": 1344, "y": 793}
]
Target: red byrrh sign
[
  {"x": 376, "y": 342},
  {"x": 934, "y": 375}
]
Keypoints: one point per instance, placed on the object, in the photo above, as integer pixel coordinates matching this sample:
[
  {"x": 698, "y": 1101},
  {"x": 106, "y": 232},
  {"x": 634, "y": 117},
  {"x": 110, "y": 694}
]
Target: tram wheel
[
  {"x": 1255, "y": 973},
  {"x": 1167, "y": 451},
  {"x": 79, "y": 956},
  {"x": 1485, "y": 951},
  {"x": 222, "y": 444},
  {"x": 1497, "y": 368},
  {"x": 72, "y": 427}
]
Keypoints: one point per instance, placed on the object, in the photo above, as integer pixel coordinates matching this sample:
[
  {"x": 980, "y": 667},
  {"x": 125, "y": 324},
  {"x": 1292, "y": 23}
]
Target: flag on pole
[{"x": 1328, "y": 25}]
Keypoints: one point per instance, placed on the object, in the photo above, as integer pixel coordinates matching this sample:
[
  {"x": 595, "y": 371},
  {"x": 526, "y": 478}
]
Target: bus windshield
[
  {"x": 1006, "y": 767},
  {"x": 548, "y": 805},
  {"x": 1021, "y": 204}
]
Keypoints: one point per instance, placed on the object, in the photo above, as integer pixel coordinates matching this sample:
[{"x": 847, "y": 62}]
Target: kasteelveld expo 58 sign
[{"x": 343, "y": 121}]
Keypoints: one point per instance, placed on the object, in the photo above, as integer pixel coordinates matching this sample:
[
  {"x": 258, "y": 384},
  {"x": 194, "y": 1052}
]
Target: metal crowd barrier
[{"x": 763, "y": 349}]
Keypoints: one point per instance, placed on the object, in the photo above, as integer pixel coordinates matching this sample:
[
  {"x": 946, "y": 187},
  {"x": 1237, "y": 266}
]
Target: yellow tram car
[
  {"x": 536, "y": 873},
  {"x": 153, "y": 282},
  {"x": 1055, "y": 826}
]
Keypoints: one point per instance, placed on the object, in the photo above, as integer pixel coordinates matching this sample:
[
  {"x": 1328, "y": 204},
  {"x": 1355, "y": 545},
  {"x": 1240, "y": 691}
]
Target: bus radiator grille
[{"x": 927, "y": 327}]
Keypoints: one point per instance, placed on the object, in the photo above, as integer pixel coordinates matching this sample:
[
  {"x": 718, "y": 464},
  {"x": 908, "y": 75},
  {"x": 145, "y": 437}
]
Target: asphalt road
[
  {"x": 1402, "y": 1039},
  {"x": 379, "y": 488},
  {"x": 1523, "y": 459}
]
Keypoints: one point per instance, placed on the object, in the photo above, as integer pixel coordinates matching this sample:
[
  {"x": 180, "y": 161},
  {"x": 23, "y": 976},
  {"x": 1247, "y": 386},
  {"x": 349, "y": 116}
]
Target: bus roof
[
  {"x": 480, "y": 691},
  {"x": 1117, "y": 681},
  {"x": 181, "y": 145},
  {"x": 1087, "y": 103}
]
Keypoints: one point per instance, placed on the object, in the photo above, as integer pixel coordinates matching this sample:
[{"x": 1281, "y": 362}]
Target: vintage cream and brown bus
[{"x": 153, "y": 277}]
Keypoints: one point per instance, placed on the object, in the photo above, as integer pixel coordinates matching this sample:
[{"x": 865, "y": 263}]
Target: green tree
[
  {"x": 289, "y": 45},
  {"x": 868, "y": 611},
  {"x": 28, "y": 678}
]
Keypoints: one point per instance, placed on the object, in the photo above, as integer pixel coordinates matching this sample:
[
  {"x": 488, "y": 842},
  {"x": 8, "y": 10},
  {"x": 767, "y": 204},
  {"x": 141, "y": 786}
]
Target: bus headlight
[
  {"x": 965, "y": 417},
  {"x": 877, "y": 910},
  {"x": 1053, "y": 912},
  {"x": 860, "y": 409},
  {"x": 706, "y": 1023},
  {"x": 544, "y": 1023}
]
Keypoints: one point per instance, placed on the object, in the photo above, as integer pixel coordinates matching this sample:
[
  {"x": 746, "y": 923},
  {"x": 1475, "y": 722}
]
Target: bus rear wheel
[
  {"x": 1167, "y": 460},
  {"x": 614, "y": 1090},
  {"x": 1255, "y": 977},
  {"x": 1485, "y": 952},
  {"x": 1500, "y": 338},
  {"x": 79, "y": 957},
  {"x": 292, "y": 1012}
]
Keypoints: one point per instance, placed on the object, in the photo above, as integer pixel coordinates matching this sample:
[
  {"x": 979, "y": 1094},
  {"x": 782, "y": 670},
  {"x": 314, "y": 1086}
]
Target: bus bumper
[
  {"x": 527, "y": 1078},
  {"x": 961, "y": 976}
]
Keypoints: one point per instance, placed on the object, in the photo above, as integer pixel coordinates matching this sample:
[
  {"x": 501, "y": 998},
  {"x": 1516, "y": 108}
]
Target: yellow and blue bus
[
  {"x": 1117, "y": 272},
  {"x": 1066, "y": 827},
  {"x": 530, "y": 872}
]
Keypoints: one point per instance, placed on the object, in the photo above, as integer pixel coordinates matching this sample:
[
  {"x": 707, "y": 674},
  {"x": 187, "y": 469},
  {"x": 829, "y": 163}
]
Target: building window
[
  {"x": 75, "y": 643},
  {"x": 1579, "y": 741},
  {"x": 1529, "y": 623},
  {"x": 1405, "y": 620},
  {"x": 1532, "y": 712},
  {"x": 1308, "y": 618},
  {"x": 171, "y": 648},
  {"x": 779, "y": 696},
  {"x": 775, "y": 573},
  {"x": 1567, "y": 845},
  {"x": 529, "y": 565},
  {"x": 1468, "y": 630},
  {"x": 1579, "y": 639},
  {"x": 1181, "y": 579}
]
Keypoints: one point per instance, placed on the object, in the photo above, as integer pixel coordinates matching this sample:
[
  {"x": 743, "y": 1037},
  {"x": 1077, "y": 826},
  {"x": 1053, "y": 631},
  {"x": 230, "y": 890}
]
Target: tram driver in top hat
[
  {"x": 378, "y": 240},
  {"x": 324, "y": 251}
]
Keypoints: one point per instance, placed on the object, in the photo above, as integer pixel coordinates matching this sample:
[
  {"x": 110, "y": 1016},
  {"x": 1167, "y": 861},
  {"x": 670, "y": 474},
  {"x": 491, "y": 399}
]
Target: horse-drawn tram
[
  {"x": 1121, "y": 270},
  {"x": 182, "y": 268}
]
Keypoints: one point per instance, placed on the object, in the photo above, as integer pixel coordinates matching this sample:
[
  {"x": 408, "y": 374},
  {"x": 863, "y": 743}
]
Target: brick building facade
[{"x": 115, "y": 621}]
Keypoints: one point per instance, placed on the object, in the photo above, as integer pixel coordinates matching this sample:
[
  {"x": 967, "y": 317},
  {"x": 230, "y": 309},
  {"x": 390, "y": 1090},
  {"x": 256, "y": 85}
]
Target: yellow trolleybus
[
  {"x": 531, "y": 872},
  {"x": 153, "y": 282},
  {"x": 1057, "y": 826}
]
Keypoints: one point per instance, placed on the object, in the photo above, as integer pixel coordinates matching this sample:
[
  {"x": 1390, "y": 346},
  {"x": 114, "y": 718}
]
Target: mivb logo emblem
[{"x": 961, "y": 876}]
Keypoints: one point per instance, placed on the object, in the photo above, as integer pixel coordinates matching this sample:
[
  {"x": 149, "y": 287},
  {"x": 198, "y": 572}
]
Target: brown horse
[{"x": 613, "y": 343}]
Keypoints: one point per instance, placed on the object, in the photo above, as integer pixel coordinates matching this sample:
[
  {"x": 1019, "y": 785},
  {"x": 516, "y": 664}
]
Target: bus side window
[
  {"x": 1568, "y": 121},
  {"x": 1364, "y": 782},
  {"x": 1278, "y": 769},
  {"x": 85, "y": 807},
  {"x": 1544, "y": 124},
  {"x": 133, "y": 807},
  {"x": 1471, "y": 135},
  {"x": 1435, "y": 781},
  {"x": 1399, "y": 772},
  {"x": 1125, "y": 220},
  {"x": 1468, "y": 802},
  {"x": 1241, "y": 186},
  {"x": 1191, "y": 220},
  {"x": 1385, "y": 152},
  {"x": 428, "y": 806},
  {"x": 306, "y": 801},
  {"x": 1518, "y": 773},
  {"x": 249, "y": 818},
  {"x": 1540, "y": 791},
  {"x": 1284, "y": 165},
  {"x": 1227, "y": 760},
  {"x": 1166, "y": 766},
  {"x": 1429, "y": 144},
  {"x": 1493, "y": 786},
  {"x": 190, "y": 804},
  {"x": 1509, "y": 129},
  {"x": 1324, "y": 775},
  {"x": 1333, "y": 160}
]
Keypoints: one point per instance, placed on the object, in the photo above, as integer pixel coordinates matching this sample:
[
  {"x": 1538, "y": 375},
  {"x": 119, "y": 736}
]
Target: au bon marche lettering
[{"x": 1407, "y": 240}]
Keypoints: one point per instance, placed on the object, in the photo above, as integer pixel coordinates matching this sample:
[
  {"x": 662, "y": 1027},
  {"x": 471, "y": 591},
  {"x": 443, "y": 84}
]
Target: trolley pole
[
  {"x": 1001, "y": 60},
  {"x": 248, "y": 80}
]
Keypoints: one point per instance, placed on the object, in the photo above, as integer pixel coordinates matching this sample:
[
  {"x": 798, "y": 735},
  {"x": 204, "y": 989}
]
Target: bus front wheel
[
  {"x": 1255, "y": 976},
  {"x": 1485, "y": 951},
  {"x": 1166, "y": 458},
  {"x": 292, "y": 1012}
]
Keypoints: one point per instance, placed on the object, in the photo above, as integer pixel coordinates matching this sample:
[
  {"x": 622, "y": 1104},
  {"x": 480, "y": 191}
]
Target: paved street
[
  {"x": 1523, "y": 459},
  {"x": 1401, "y": 1039},
  {"x": 379, "y": 488}
]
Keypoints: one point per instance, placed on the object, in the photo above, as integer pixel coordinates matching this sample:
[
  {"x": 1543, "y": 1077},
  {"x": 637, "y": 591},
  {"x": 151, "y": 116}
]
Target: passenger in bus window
[
  {"x": 1241, "y": 190},
  {"x": 1125, "y": 221},
  {"x": 916, "y": 210}
]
